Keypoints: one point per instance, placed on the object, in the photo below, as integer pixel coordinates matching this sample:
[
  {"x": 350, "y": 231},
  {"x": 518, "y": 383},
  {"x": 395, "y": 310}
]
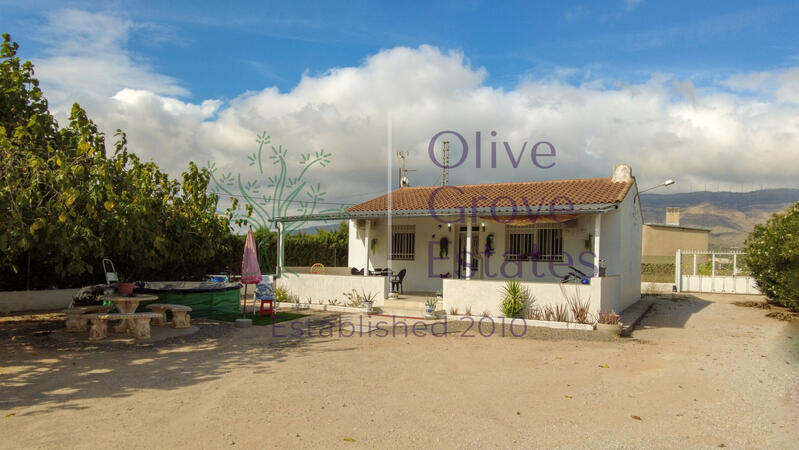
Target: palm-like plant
[{"x": 514, "y": 299}]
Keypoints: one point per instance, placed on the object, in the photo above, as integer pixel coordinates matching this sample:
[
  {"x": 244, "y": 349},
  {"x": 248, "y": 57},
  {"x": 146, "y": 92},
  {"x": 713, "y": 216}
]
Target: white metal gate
[{"x": 712, "y": 271}]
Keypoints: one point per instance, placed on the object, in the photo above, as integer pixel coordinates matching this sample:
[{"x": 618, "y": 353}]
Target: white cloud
[
  {"x": 87, "y": 58},
  {"x": 704, "y": 135},
  {"x": 781, "y": 85}
]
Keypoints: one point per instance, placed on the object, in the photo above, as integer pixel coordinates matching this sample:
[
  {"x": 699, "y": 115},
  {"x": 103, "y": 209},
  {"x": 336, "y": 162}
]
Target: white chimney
[
  {"x": 622, "y": 173},
  {"x": 673, "y": 215}
]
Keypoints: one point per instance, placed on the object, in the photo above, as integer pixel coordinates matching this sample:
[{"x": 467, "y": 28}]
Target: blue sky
[
  {"x": 703, "y": 92},
  {"x": 220, "y": 49}
]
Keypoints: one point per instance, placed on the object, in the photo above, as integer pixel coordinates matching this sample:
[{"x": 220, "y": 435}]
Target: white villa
[{"x": 463, "y": 242}]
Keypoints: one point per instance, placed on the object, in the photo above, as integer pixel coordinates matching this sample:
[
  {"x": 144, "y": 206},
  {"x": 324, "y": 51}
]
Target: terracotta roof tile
[{"x": 534, "y": 193}]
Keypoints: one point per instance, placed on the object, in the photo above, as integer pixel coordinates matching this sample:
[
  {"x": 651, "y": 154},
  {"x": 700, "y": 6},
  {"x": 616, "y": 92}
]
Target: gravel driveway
[{"x": 700, "y": 372}]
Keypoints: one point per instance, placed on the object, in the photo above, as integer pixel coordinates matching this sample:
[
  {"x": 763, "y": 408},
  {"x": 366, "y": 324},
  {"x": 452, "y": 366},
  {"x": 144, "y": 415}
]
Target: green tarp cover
[{"x": 204, "y": 303}]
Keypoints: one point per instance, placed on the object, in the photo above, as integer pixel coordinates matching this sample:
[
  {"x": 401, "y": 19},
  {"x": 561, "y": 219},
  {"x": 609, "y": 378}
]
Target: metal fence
[{"x": 712, "y": 271}]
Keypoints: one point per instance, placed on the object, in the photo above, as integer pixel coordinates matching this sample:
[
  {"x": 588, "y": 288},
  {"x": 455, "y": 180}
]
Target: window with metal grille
[
  {"x": 538, "y": 242},
  {"x": 403, "y": 242}
]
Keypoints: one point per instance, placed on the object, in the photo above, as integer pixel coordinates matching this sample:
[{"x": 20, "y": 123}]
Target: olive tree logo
[{"x": 272, "y": 192}]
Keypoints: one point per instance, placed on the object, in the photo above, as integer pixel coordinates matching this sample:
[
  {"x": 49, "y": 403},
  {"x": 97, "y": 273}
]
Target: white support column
[
  {"x": 367, "y": 242},
  {"x": 468, "y": 247},
  {"x": 735, "y": 264},
  {"x": 597, "y": 233},
  {"x": 694, "y": 264},
  {"x": 280, "y": 238}
]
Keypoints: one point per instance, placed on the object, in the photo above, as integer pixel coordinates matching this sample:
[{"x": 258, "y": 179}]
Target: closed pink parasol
[{"x": 250, "y": 272}]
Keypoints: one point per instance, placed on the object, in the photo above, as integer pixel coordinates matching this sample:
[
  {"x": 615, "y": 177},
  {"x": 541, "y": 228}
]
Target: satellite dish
[{"x": 404, "y": 182}]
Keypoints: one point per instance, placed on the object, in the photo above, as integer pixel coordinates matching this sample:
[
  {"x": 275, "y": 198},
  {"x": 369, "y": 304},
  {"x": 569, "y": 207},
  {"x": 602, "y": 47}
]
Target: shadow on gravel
[
  {"x": 672, "y": 311},
  {"x": 38, "y": 370}
]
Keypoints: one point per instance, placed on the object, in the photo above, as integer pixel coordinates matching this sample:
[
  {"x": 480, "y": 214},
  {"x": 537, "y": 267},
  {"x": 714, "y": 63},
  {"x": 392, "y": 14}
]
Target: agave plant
[
  {"x": 515, "y": 298},
  {"x": 560, "y": 313},
  {"x": 534, "y": 313},
  {"x": 370, "y": 297},
  {"x": 580, "y": 308}
]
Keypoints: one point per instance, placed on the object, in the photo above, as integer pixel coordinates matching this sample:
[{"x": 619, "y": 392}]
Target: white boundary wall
[
  {"x": 13, "y": 301},
  {"x": 486, "y": 296},
  {"x": 323, "y": 287},
  {"x": 721, "y": 284}
]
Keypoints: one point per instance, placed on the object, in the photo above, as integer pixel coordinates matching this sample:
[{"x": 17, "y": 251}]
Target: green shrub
[
  {"x": 772, "y": 255},
  {"x": 515, "y": 299},
  {"x": 281, "y": 294}
]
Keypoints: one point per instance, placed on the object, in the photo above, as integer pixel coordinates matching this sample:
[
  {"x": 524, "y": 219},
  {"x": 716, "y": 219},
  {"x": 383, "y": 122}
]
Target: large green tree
[
  {"x": 773, "y": 257},
  {"x": 66, "y": 202}
]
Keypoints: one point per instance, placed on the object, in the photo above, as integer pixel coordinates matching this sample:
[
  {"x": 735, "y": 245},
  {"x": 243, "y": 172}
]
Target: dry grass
[
  {"x": 785, "y": 316},
  {"x": 753, "y": 304},
  {"x": 608, "y": 317}
]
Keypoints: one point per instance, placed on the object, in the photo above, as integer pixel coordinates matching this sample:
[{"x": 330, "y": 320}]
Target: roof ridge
[
  {"x": 576, "y": 191},
  {"x": 503, "y": 183}
]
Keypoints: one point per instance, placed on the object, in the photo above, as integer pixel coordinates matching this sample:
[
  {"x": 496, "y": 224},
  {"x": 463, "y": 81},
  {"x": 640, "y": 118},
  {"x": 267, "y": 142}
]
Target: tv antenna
[
  {"x": 445, "y": 159},
  {"x": 403, "y": 172}
]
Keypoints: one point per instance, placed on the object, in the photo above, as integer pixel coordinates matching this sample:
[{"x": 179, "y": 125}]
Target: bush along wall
[{"x": 772, "y": 255}]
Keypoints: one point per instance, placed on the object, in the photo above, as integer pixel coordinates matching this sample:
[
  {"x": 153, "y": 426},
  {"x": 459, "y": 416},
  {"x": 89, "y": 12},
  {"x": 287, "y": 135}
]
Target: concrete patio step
[
  {"x": 403, "y": 308},
  {"x": 402, "y": 312},
  {"x": 633, "y": 314},
  {"x": 407, "y": 302}
]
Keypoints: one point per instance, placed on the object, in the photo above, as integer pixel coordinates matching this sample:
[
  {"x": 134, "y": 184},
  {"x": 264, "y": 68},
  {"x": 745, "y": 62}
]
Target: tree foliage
[
  {"x": 303, "y": 249},
  {"x": 773, "y": 257},
  {"x": 66, "y": 203}
]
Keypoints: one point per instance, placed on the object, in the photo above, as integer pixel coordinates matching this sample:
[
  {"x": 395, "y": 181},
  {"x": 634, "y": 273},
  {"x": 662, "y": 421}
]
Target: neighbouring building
[{"x": 660, "y": 241}]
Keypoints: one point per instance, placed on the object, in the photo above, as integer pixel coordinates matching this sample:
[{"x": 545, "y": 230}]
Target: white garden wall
[
  {"x": 725, "y": 284},
  {"x": 323, "y": 287},
  {"x": 13, "y": 301},
  {"x": 486, "y": 296},
  {"x": 327, "y": 270}
]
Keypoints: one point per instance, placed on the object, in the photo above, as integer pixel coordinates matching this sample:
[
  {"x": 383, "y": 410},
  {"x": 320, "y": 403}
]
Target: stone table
[{"x": 127, "y": 305}]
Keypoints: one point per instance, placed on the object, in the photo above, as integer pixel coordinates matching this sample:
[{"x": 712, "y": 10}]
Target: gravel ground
[{"x": 700, "y": 372}]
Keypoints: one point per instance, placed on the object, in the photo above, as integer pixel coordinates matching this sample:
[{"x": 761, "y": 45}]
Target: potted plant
[
  {"x": 608, "y": 323},
  {"x": 125, "y": 285},
  {"x": 368, "y": 302},
  {"x": 430, "y": 307}
]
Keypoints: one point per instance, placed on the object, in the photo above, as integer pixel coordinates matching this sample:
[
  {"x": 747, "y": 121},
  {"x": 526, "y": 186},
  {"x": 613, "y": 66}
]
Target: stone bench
[
  {"x": 99, "y": 328},
  {"x": 180, "y": 314},
  {"x": 76, "y": 316}
]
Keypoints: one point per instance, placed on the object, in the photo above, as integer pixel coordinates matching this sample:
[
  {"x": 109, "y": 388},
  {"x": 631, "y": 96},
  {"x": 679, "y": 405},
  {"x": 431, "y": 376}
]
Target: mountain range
[{"x": 729, "y": 215}]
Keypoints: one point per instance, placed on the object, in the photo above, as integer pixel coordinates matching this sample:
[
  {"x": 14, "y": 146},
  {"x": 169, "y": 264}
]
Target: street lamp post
[{"x": 668, "y": 182}]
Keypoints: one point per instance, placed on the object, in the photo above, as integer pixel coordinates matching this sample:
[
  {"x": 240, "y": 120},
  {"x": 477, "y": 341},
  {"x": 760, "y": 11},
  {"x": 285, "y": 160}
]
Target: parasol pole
[{"x": 244, "y": 309}]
